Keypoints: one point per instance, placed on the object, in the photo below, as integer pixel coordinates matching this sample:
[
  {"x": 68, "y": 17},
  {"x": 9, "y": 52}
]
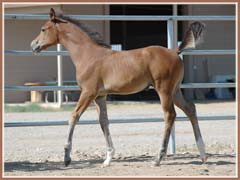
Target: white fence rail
[
  {"x": 65, "y": 53},
  {"x": 123, "y": 17},
  {"x": 76, "y": 88},
  {"x": 112, "y": 121}
]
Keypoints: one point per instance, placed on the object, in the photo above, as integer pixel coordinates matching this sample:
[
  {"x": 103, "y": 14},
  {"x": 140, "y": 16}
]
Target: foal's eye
[{"x": 43, "y": 30}]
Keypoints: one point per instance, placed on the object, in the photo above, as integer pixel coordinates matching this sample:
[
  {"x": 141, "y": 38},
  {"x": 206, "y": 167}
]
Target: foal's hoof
[
  {"x": 67, "y": 161},
  {"x": 155, "y": 163},
  {"x": 105, "y": 164}
]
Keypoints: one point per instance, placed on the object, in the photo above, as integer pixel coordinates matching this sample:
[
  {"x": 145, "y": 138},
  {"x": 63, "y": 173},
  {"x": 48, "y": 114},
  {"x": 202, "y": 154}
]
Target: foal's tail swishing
[{"x": 192, "y": 36}]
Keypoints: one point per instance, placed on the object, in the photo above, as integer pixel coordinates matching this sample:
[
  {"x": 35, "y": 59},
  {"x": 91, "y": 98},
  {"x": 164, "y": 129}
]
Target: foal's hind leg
[
  {"x": 84, "y": 101},
  {"x": 103, "y": 119},
  {"x": 190, "y": 111},
  {"x": 169, "y": 117}
]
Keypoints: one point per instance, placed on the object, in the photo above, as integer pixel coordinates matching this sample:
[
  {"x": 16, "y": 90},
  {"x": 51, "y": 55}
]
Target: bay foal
[{"x": 101, "y": 71}]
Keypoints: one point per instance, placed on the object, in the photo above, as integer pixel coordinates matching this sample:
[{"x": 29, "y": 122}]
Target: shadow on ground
[
  {"x": 179, "y": 159},
  {"x": 28, "y": 166}
]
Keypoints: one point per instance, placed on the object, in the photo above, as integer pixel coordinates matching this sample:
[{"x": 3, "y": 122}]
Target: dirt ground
[{"x": 38, "y": 151}]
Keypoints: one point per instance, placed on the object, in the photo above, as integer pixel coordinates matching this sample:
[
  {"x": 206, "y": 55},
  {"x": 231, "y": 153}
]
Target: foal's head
[{"x": 49, "y": 33}]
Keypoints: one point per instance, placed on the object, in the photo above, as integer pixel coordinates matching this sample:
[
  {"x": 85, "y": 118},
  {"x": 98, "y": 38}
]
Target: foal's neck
[{"x": 80, "y": 46}]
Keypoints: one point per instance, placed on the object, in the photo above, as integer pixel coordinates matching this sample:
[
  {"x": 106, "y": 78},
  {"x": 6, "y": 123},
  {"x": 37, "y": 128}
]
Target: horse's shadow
[
  {"x": 211, "y": 159},
  {"x": 178, "y": 159},
  {"x": 27, "y": 166}
]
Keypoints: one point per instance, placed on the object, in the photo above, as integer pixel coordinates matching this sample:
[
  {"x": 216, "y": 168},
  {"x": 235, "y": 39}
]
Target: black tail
[{"x": 192, "y": 36}]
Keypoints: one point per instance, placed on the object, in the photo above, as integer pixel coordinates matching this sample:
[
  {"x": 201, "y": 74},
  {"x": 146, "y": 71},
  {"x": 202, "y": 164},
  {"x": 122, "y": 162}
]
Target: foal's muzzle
[{"x": 36, "y": 46}]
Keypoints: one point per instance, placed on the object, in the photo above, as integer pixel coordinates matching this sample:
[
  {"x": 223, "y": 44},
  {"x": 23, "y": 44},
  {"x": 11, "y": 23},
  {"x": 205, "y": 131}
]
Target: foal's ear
[
  {"x": 52, "y": 14},
  {"x": 54, "y": 18}
]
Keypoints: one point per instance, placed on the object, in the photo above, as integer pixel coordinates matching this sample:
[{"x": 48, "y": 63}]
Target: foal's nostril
[{"x": 36, "y": 42}]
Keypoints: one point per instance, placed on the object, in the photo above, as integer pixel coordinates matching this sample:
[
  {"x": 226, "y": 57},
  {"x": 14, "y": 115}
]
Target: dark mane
[{"x": 94, "y": 35}]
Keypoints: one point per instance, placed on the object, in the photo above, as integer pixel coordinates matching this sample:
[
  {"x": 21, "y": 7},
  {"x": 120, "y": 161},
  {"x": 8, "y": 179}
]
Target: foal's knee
[
  {"x": 170, "y": 114},
  {"x": 169, "y": 118}
]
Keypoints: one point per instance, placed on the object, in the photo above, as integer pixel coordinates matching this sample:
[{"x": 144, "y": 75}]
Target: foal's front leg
[
  {"x": 103, "y": 119},
  {"x": 84, "y": 100}
]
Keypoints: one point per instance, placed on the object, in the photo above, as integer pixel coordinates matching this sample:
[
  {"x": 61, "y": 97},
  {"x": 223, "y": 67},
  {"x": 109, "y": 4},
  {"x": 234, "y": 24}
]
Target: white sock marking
[
  {"x": 110, "y": 153},
  {"x": 201, "y": 147}
]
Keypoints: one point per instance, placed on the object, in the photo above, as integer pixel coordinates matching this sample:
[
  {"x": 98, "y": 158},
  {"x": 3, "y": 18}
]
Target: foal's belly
[{"x": 126, "y": 87}]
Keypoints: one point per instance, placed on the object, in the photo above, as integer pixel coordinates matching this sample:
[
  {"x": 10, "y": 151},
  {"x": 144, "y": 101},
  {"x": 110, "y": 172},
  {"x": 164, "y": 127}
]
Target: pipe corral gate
[{"x": 171, "y": 40}]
